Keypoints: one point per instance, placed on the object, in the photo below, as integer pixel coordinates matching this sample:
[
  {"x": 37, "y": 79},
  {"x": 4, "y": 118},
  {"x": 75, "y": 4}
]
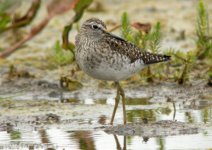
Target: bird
[{"x": 105, "y": 56}]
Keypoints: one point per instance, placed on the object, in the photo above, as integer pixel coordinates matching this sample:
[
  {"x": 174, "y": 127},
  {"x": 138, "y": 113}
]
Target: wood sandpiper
[{"x": 105, "y": 56}]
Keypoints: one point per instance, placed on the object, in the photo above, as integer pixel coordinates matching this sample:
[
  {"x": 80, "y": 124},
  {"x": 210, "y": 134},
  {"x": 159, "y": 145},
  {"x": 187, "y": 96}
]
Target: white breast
[{"x": 110, "y": 73}]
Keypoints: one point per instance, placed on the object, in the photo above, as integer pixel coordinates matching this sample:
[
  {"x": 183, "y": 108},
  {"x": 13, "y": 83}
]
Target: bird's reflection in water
[
  {"x": 145, "y": 139},
  {"x": 118, "y": 146}
]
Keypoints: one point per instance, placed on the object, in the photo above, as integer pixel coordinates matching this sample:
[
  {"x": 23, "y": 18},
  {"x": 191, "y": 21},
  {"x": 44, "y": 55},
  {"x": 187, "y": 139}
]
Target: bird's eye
[{"x": 95, "y": 27}]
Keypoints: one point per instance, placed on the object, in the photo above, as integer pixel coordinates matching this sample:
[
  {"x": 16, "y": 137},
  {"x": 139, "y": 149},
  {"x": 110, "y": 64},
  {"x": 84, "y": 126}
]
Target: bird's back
[{"x": 132, "y": 51}]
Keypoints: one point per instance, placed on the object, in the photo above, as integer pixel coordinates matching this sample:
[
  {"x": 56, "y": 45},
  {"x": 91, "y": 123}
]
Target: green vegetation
[
  {"x": 143, "y": 38},
  {"x": 204, "y": 39},
  {"x": 5, "y": 5},
  {"x": 60, "y": 56},
  {"x": 4, "y": 18},
  {"x": 15, "y": 135},
  {"x": 210, "y": 77},
  {"x": 54, "y": 8},
  {"x": 146, "y": 40},
  {"x": 6, "y": 103},
  {"x": 182, "y": 63},
  {"x": 155, "y": 38},
  {"x": 16, "y": 22},
  {"x": 126, "y": 30},
  {"x": 79, "y": 10}
]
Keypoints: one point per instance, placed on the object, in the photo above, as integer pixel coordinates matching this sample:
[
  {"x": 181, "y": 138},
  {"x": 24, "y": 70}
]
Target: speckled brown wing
[{"x": 133, "y": 52}]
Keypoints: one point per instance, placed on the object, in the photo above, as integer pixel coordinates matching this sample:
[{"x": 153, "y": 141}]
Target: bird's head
[{"x": 93, "y": 28}]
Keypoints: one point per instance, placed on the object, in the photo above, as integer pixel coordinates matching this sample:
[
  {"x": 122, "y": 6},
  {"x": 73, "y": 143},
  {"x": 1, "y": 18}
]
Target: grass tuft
[
  {"x": 155, "y": 38},
  {"x": 126, "y": 29},
  {"x": 204, "y": 42}
]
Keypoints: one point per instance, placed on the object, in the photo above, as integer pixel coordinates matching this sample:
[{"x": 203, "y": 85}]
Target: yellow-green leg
[
  {"x": 116, "y": 104},
  {"x": 120, "y": 91},
  {"x": 123, "y": 103}
]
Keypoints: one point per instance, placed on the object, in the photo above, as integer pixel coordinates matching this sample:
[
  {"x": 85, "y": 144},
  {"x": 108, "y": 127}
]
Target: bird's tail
[{"x": 150, "y": 58}]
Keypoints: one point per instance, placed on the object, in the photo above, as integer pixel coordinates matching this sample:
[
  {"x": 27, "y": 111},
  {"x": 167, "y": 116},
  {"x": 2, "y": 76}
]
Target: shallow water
[
  {"x": 90, "y": 135},
  {"x": 99, "y": 140}
]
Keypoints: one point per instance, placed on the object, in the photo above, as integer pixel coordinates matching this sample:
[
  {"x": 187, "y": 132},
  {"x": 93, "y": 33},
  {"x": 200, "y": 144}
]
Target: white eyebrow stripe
[
  {"x": 100, "y": 26},
  {"x": 94, "y": 23}
]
